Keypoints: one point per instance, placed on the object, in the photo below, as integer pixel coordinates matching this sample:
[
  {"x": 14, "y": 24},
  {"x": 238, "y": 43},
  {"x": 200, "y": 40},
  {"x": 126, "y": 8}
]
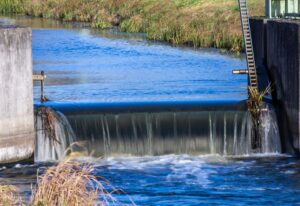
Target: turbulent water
[
  {"x": 166, "y": 157},
  {"x": 190, "y": 180}
]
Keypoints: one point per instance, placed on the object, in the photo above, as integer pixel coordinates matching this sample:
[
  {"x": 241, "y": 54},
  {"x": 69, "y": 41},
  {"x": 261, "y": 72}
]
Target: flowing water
[
  {"x": 218, "y": 130},
  {"x": 52, "y": 143},
  {"x": 88, "y": 65},
  {"x": 171, "y": 123}
]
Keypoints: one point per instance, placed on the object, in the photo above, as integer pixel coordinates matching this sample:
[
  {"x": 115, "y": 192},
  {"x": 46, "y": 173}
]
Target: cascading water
[
  {"x": 53, "y": 135},
  {"x": 222, "y": 132},
  {"x": 270, "y": 132}
]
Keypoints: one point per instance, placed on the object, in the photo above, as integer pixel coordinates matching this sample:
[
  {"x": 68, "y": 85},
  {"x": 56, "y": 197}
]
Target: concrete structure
[
  {"x": 277, "y": 53},
  {"x": 283, "y": 8},
  {"x": 16, "y": 98}
]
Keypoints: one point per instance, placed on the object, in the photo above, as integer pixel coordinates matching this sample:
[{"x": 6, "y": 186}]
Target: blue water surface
[{"x": 87, "y": 65}]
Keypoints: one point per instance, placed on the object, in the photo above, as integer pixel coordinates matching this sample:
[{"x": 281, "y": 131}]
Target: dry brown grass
[
  {"x": 70, "y": 183},
  {"x": 9, "y": 196},
  {"x": 196, "y": 23}
]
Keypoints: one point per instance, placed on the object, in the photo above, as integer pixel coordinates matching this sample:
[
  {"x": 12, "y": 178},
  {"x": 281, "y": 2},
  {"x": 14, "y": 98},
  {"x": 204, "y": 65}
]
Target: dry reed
[
  {"x": 9, "y": 196},
  {"x": 67, "y": 183},
  {"x": 70, "y": 183}
]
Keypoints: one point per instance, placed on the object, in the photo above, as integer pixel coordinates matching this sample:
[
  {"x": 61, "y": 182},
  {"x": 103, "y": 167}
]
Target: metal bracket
[
  {"x": 240, "y": 71},
  {"x": 41, "y": 78}
]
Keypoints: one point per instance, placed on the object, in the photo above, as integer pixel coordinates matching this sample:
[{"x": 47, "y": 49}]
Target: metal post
[
  {"x": 268, "y": 8},
  {"x": 42, "y": 87},
  {"x": 41, "y": 78}
]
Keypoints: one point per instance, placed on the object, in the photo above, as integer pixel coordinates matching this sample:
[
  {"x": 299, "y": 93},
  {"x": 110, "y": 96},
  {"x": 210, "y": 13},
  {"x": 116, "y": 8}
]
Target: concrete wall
[
  {"x": 277, "y": 47},
  {"x": 16, "y": 98}
]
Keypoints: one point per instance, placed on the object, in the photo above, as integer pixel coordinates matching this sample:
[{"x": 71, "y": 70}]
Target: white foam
[{"x": 53, "y": 148}]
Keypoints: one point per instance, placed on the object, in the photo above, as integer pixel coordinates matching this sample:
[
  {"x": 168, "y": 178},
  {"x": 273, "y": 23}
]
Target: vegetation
[
  {"x": 68, "y": 183},
  {"x": 9, "y": 196},
  {"x": 256, "y": 102},
  {"x": 197, "y": 23},
  {"x": 256, "y": 106},
  {"x": 11, "y": 6}
]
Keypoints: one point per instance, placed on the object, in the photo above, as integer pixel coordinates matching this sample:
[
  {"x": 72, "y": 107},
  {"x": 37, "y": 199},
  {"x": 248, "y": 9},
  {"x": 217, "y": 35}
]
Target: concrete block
[{"x": 16, "y": 95}]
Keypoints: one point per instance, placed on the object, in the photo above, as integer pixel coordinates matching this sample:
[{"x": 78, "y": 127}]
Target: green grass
[
  {"x": 196, "y": 23},
  {"x": 185, "y": 3},
  {"x": 11, "y": 6}
]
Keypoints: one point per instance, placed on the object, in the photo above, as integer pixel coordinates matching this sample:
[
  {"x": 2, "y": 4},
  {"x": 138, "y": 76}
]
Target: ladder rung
[{"x": 248, "y": 42}]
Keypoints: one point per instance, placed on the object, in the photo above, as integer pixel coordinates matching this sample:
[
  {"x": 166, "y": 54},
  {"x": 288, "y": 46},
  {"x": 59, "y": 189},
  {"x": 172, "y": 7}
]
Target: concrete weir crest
[{"x": 16, "y": 95}]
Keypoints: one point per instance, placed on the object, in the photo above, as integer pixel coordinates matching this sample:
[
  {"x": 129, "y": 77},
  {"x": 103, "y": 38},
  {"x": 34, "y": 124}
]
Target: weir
[
  {"x": 156, "y": 128},
  {"x": 162, "y": 128}
]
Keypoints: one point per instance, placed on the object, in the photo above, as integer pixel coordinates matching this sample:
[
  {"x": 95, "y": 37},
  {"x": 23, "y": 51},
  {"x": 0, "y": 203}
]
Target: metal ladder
[{"x": 252, "y": 75}]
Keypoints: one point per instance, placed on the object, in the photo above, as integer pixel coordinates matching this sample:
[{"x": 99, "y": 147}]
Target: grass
[
  {"x": 196, "y": 23},
  {"x": 9, "y": 196},
  {"x": 70, "y": 183},
  {"x": 255, "y": 102},
  {"x": 11, "y": 6},
  {"x": 67, "y": 183},
  {"x": 256, "y": 106}
]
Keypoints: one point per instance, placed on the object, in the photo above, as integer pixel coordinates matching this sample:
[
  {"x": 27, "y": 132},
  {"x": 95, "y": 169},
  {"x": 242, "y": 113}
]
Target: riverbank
[{"x": 195, "y": 23}]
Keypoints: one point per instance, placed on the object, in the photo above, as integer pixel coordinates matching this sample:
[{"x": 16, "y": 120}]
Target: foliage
[
  {"x": 11, "y": 6},
  {"x": 196, "y": 23},
  {"x": 255, "y": 102},
  {"x": 256, "y": 106}
]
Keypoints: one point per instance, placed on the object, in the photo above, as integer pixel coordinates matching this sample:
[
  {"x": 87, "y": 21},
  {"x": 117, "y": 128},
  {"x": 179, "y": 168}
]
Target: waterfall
[
  {"x": 270, "y": 132},
  {"x": 53, "y": 135},
  {"x": 197, "y": 132},
  {"x": 216, "y": 132}
]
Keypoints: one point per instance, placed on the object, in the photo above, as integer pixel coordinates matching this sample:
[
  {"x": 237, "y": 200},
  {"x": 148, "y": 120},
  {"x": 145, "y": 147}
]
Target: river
[{"x": 85, "y": 65}]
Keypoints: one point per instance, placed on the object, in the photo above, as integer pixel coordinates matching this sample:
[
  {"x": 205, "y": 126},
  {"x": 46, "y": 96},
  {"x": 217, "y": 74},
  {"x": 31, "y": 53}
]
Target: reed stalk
[{"x": 70, "y": 183}]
